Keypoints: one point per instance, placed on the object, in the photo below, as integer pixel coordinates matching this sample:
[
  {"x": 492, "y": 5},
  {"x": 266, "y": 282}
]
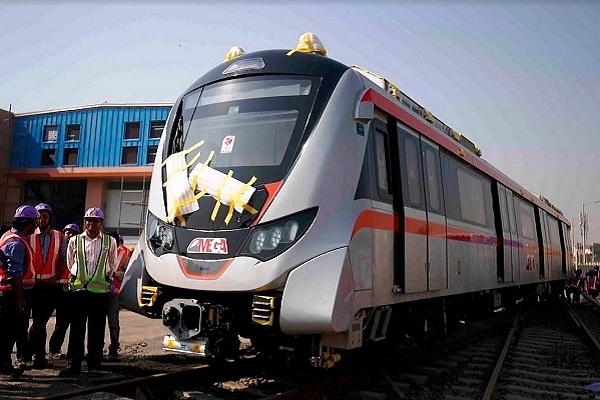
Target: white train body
[{"x": 384, "y": 209}]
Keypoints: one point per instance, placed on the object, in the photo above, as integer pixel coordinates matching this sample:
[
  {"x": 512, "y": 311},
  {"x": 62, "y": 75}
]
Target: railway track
[
  {"x": 550, "y": 352},
  {"x": 549, "y": 358},
  {"x": 243, "y": 380},
  {"x": 539, "y": 355}
]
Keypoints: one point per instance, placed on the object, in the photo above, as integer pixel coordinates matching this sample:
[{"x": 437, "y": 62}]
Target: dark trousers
[
  {"x": 61, "y": 324},
  {"x": 43, "y": 303},
  {"x": 9, "y": 315},
  {"x": 90, "y": 308},
  {"x": 113, "y": 323},
  {"x": 23, "y": 350}
]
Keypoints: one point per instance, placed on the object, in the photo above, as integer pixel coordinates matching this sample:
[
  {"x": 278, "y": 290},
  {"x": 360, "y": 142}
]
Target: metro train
[{"x": 313, "y": 207}]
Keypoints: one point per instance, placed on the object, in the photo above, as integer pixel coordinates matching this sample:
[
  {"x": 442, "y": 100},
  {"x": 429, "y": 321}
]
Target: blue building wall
[{"x": 101, "y": 136}]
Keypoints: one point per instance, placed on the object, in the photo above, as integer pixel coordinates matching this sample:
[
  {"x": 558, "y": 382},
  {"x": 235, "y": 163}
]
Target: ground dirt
[{"x": 141, "y": 341}]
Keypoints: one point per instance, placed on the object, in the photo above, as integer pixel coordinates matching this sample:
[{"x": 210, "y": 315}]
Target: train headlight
[
  {"x": 160, "y": 236},
  {"x": 291, "y": 230},
  {"x": 271, "y": 239},
  {"x": 257, "y": 243},
  {"x": 276, "y": 235}
]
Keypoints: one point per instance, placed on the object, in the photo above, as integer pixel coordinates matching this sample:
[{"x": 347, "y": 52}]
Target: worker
[
  {"x": 113, "y": 300},
  {"x": 63, "y": 319},
  {"x": 48, "y": 261},
  {"x": 91, "y": 259},
  {"x": 16, "y": 269}
]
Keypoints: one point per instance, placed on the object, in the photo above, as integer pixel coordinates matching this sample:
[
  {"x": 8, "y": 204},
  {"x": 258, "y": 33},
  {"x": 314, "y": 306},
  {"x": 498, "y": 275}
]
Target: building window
[
  {"x": 48, "y": 157},
  {"x": 129, "y": 155},
  {"x": 132, "y": 130},
  {"x": 73, "y": 132},
  {"x": 70, "y": 157},
  {"x": 156, "y": 128},
  {"x": 50, "y": 133},
  {"x": 151, "y": 154}
]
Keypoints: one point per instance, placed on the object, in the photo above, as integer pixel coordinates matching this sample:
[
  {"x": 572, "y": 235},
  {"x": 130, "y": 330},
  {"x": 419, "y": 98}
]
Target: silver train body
[{"x": 313, "y": 207}]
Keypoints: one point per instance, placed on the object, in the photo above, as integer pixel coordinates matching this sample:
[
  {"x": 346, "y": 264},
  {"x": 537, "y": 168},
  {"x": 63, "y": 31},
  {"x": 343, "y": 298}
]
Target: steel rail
[
  {"x": 127, "y": 383},
  {"x": 489, "y": 391}
]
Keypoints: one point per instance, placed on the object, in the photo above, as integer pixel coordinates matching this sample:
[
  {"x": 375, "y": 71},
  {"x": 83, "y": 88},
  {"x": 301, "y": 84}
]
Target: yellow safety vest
[{"x": 98, "y": 282}]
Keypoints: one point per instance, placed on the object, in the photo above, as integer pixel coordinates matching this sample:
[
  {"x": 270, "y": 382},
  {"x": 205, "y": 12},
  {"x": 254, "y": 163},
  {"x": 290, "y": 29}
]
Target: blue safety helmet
[
  {"x": 94, "y": 212},
  {"x": 72, "y": 227},
  {"x": 26, "y": 212},
  {"x": 43, "y": 207}
]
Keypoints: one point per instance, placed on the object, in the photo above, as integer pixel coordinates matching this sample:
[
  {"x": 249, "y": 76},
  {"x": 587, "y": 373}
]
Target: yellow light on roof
[
  {"x": 309, "y": 43},
  {"x": 428, "y": 115},
  {"x": 234, "y": 52}
]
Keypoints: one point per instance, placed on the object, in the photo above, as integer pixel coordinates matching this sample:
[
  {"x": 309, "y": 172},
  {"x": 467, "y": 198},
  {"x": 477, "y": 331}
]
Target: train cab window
[
  {"x": 382, "y": 174},
  {"x": 253, "y": 125}
]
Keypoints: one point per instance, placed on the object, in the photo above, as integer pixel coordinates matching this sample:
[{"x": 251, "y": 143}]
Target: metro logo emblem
[{"x": 208, "y": 246}]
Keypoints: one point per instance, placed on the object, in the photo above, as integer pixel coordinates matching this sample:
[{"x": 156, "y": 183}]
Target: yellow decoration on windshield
[
  {"x": 184, "y": 190},
  {"x": 218, "y": 195},
  {"x": 236, "y": 200},
  {"x": 180, "y": 197}
]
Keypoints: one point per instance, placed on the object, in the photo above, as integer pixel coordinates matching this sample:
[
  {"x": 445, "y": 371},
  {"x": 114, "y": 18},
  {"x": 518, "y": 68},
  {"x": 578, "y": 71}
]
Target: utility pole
[{"x": 583, "y": 224}]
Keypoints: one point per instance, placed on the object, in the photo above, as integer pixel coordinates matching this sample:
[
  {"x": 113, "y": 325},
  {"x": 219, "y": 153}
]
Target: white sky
[{"x": 520, "y": 79}]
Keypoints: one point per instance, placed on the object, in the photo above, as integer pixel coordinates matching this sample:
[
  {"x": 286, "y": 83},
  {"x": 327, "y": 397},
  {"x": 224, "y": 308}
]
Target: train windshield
[{"x": 253, "y": 125}]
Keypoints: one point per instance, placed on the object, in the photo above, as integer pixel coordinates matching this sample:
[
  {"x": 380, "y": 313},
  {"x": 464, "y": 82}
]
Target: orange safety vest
[
  {"x": 63, "y": 276},
  {"x": 28, "y": 273},
  {"x": 122, "y": 259},
  {"x": 48, "y": 271}
]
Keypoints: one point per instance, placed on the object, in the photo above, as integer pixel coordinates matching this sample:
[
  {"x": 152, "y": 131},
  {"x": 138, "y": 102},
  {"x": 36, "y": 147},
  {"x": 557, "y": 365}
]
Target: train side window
[
  {"x": 503, "y": 209},
  {"x": 553, "y": 229},
  {"x": 544, "y": 226},
  {"x": 526, "y": 219},
  {"x": 510, "y": 200},
  {"x": 471, "y": 194},
  {"x": 450, "y": 187},
  {"x": 432, "y": 171},
  {"x": 381, "y": 160},
  {"x": 413, "y": 171}
]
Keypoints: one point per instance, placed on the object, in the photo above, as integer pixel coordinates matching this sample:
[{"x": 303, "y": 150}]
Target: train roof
[{"x": 275, "y": 62}]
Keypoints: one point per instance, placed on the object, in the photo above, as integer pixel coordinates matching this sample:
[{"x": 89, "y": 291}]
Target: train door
[
  {"x": 556, "y": 250},
  {"x": 424, "y": 214},
  {"x": 387, "y": 251},
  {"x": 567, "y": 248},
  {"x": 436, "y": 217},
  {"x": 415, "y": 216},
  {"x": 515, "y": 243},
  {"x": 505, "y": 272},
  {"x": 544, "y": 242}
]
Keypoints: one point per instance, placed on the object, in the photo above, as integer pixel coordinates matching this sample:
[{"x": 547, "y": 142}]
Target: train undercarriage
[{"x": 215, "y": 329}]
